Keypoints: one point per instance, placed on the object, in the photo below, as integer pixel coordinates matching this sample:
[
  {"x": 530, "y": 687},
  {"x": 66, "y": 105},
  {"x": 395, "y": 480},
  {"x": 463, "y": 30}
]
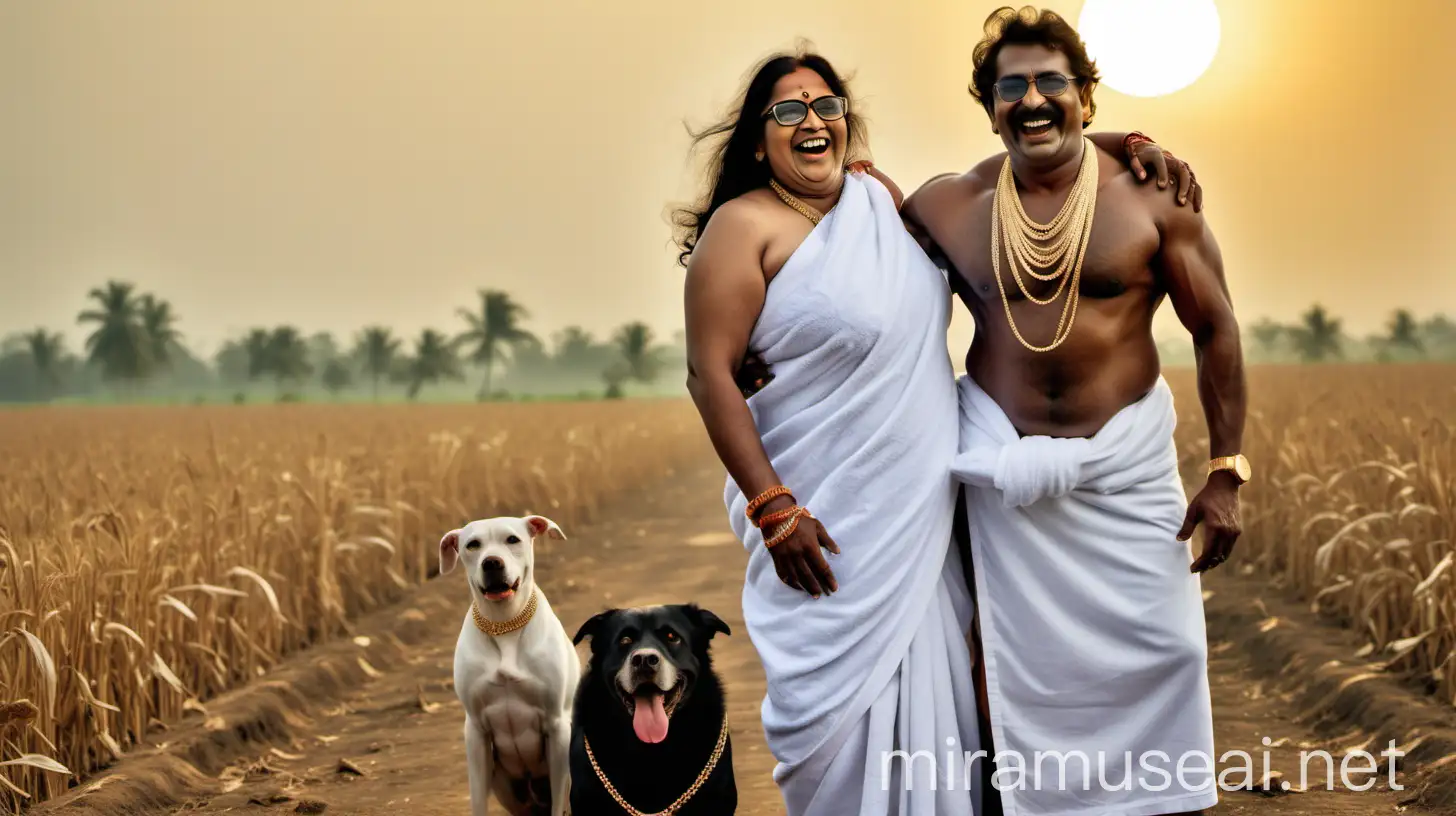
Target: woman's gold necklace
[
  {"x": 808, "y": 212},
  {"x": 1034, "y": 245}
]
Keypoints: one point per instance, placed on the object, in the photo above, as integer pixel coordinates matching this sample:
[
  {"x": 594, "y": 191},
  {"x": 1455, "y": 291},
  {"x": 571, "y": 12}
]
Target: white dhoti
[
  {"x": 860, "y": 423},
  {"x": 1091, "y": 624}
]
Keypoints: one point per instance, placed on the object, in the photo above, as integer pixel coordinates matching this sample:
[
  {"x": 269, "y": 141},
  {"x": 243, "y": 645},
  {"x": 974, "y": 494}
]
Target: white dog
[{"x": 516, "y": 670}]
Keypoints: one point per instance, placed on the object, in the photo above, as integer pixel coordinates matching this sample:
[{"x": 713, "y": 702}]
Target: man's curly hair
[{"x": 1028, "y": 26}]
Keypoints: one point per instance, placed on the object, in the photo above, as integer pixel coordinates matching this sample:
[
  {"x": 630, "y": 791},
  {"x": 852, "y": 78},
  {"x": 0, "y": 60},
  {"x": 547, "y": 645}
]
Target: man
[{"x": 1093, "y": 650}]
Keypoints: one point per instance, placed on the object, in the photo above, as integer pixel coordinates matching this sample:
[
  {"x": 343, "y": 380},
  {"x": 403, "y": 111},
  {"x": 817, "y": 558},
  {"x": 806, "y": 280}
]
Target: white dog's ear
[
  {"x": 449, "y": 551},
  {"x": 540, "y": 525}
]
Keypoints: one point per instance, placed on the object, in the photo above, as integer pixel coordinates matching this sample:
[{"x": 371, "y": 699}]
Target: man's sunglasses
[
  {"x": 1014, "y": 88},
  {"x": 791, "y": 112}
]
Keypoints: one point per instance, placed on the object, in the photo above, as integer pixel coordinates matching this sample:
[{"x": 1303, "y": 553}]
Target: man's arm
[
  {"x": 918, "y": 213},
  {"x": 1191, "y": 267},
  {"x": 912, "y": 209}
]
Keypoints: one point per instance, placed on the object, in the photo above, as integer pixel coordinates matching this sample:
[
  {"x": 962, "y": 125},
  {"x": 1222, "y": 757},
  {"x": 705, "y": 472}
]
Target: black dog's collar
[{"x": 681, "y": 800}]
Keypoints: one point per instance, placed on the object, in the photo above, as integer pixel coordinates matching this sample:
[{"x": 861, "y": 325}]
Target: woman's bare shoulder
[
  {"x": 735, "y": 237},
  {"x": 740, "y": 223}
]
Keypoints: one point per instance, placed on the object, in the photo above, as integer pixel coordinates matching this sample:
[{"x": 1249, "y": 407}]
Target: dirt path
[{"x": 402, "y": 730}]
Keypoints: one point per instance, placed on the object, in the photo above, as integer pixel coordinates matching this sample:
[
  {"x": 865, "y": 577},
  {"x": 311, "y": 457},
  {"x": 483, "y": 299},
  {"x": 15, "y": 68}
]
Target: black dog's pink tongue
[{"x": 649, "y": 719}]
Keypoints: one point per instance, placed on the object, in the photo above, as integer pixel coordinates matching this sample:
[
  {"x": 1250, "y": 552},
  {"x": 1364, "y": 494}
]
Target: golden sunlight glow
[{"x": 1150, "y": 47}]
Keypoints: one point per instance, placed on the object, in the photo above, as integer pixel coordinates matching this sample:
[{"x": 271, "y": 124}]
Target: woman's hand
[
  {"x": 865, "y": 166},
  {"x": 798, "y": 560},
  {"x": 1142, "y": 155}
]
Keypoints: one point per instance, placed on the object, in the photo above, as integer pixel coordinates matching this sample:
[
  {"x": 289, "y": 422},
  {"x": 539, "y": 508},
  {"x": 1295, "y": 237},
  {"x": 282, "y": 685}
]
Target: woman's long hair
[{"x": 733, "y": 168}]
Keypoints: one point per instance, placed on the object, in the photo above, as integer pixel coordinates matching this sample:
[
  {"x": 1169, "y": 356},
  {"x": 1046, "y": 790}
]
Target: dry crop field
[
  {"x": 1353, "y": 505},
  {"x": 153, "y": 557}
]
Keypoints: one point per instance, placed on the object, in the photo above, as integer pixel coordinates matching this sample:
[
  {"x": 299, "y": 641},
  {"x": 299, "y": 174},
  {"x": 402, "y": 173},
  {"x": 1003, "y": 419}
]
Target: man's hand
[
  {"x": 752, "y": 375},
  {"x": 1216, "y": 507}
]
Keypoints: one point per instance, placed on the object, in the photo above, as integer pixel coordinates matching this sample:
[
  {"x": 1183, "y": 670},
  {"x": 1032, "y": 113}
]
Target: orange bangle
[
  {"x": 788, "y": 529},
  {"x": 1135, "y": 138},
  {"x": 784, "y": 532},
  {"x": 777, "y": 518},
  {"x": 764, "y": 498}
]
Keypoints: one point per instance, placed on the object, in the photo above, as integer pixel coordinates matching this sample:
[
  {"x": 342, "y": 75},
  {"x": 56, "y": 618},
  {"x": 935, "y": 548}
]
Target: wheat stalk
[{"x": 152, "y": 558}]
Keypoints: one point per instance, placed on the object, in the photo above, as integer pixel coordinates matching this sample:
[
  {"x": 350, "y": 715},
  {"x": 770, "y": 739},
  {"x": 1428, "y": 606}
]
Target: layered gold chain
[
  {"x": 808, "y": 212},
  {"x": 677, "y": 803},
  {"x": 1031, "y": 245},
  {"x": 497, "y": 628}
]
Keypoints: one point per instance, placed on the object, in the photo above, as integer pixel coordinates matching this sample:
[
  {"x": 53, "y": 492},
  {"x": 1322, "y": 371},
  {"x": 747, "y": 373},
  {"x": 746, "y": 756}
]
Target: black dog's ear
[
  {"x": 707, "y": 620},
  {"x": 592, "y": 624}
]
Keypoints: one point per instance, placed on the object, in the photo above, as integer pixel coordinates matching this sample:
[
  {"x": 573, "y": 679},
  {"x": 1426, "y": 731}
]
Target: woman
[{"x": 808, "y": 264}]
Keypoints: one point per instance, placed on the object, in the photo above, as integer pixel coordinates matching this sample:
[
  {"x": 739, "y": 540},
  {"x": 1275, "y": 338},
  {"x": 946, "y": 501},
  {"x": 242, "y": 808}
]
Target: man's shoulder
[
  {"x": 1160, "y": 205},
  {"x": 1172, "y": 218},
  {"x": 979, "y": 178},
  {"x": 948, "y": 189}
]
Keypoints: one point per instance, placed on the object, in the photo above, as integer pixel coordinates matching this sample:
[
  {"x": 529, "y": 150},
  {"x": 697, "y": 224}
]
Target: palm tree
[
  {"x": 1438, "y": 335},
  {"x": 157, "y": 322},
  {"x": 573, "y": 346},
  {"x": 1318, "y": 335},
  {"x": 119, "y": 344},
  {"x": 1267, "y": 333},
  {"x": 616, "y": 373},
  {"x": 635, "y": 342},
  {"x": 288, "y": 356},
  {"x": 1404, "y": 331},
  {"x": 322, "y": 348},
  {"x": 1439, "y": 328},
  {"x": 493, "y": 330},
  {"x": 233, "y": 362},
  {"x": 337, "y": 376},
  {"x": 258, "y": 345},
  {"x": 434, "y": 360},
  {"x": 376, "y": 348},
  {"x": 46, "y": 350}
]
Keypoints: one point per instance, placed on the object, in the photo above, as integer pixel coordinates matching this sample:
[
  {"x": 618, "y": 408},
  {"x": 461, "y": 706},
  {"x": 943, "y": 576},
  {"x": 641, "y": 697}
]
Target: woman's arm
[{"x": 723, "y": 297}]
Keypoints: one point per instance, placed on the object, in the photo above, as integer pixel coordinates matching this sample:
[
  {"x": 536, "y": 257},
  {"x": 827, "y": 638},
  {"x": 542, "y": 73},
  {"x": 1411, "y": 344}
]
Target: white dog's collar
[{"x": 497, "y": 628}]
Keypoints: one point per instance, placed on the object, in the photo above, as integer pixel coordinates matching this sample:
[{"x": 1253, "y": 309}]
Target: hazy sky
[{"x": 336, "y": 164}]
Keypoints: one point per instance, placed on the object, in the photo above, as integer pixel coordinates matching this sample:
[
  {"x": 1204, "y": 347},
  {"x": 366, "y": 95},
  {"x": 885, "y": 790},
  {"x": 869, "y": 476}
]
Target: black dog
[{"x": 651, "y": 710}]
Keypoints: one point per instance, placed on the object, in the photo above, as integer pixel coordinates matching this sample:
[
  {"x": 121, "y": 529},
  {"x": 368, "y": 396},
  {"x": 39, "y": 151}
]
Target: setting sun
[{"x": 1150, "y": 47}]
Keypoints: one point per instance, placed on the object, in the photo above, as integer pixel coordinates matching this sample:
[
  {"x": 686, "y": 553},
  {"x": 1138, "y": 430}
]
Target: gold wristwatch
[{"x": 1237, "y": 463}]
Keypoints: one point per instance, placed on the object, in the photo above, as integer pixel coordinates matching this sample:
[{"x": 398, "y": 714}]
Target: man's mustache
[{"x": 1051, "y": 112}]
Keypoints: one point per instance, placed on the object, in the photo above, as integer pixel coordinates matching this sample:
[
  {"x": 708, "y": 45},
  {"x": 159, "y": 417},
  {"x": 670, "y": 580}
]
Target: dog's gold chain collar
[
  {"x": 681, "y": 800},
  {"x": 497, "y": 628}
]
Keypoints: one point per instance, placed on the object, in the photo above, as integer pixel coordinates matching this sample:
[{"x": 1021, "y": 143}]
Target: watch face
[{"x": 1241, "y": 468}]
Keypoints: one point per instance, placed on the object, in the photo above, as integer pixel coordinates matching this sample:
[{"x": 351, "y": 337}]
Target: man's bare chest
[{"x": 1114, "y": 258}]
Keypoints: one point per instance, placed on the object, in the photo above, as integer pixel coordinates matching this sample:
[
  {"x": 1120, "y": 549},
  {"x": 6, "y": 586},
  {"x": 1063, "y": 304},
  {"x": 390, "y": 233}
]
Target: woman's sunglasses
[
  {"x": 791, "y": 112},
  {"x": 1012, "y": 89}
]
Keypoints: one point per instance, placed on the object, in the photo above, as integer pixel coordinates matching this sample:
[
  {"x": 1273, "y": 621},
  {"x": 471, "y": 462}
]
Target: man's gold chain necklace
[
  {"x": 1033, "y": 245},
  {"x": 808, "y": 212},
  {"x": 681, "y": 800}
]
